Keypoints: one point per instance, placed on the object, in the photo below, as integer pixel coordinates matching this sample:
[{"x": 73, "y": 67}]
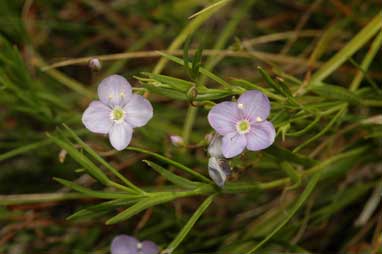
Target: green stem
[
  {"x": 190, "y": 119},
  {"x": 39, "y": 197},
  {"x": 375, "y": 46}
]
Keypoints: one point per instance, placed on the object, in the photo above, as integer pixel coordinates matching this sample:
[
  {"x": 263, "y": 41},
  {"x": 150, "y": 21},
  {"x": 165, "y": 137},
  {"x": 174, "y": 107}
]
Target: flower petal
[
  {"x": 120, "y": 135},
  {"x": 233, "y": 144},
  {"x": 96, "y": 117},
  {"x": 215, "y": 146},
  {"x": 124, "y": 244},
  {"x": 114, "y": 90},
  {"x": 138, "y": 111},
  {"x": 148, "y": 247},
  {"x": 255, "y": 105},
  {"x": 224, "y": 116},
  {"x": 261, "y": 136}
]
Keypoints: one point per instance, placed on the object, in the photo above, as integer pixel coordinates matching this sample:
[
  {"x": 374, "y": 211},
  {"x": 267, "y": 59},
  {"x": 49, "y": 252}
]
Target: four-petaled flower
[
  {"x": 117, "y": 112},
  {"x": 243, "y": 123},
  {"x": 124, "y": 244}
]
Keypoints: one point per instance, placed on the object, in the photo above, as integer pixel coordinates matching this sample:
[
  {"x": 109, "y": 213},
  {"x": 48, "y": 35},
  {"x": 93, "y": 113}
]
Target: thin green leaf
[
  {"x": 101, "y": 208},
  {"x": 201, "y": 69},
  {"x": 190, "y": 223},
  {"x": 96, "y": 194},
  {"x": 91, "y": 168},
  {"x": 306, "y": 129},
  {"x": 171, "y": 162},
  {"x": 87, "y": 148},
  {"x": 293, "y": 174},
  {"x": 208, "y": 8},
  {"x": 138, "y": 207},
  {"x": 356, "y": 43},
  {"x": 175, "y": 179},
  {"x": 323, "y": 131},
  {"x": 336, "y": 92},
  {"x": 301, "y": 200}
]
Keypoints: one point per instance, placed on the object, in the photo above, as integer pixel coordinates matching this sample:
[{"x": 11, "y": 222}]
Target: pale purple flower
[
  {"x": 117, "y": 112},
  {"x": 243, "y": 123},
  {"x": 124, "y": 244}
]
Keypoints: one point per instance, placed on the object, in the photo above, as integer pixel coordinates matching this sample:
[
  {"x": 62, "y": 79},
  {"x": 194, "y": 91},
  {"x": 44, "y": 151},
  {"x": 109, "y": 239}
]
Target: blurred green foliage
[{"x": 63, "y": 190}]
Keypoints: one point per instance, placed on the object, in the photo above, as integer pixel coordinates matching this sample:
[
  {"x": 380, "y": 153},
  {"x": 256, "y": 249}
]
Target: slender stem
[
  {"x": 39, "y": 197},
  {"x": 187, "y": 128},
  {"x": 375, "y": 46},
  {"x": 283, "y": 59}
]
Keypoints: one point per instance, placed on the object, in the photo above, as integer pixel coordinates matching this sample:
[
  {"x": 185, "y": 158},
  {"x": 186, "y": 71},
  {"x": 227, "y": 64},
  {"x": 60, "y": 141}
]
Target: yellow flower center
[
  {"x": 243, "y": 126},
  {"x": 117, "y": 114}
]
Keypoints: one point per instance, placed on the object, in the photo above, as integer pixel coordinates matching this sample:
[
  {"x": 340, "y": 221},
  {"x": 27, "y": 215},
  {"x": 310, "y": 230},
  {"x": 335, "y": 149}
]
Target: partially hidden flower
[
  {"x": 124, "y": 244},
  {"x": 218, "y": 170},
  {"x": 117, "y": 112},
  {"x": 218, "y": 167},
  {"x": 243, "y": 123}
]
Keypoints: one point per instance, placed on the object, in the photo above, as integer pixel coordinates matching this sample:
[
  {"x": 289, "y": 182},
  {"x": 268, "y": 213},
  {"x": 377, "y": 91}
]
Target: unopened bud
[
  {"x": 176, "y": 140},
  {"x": 95, "y": 64}
]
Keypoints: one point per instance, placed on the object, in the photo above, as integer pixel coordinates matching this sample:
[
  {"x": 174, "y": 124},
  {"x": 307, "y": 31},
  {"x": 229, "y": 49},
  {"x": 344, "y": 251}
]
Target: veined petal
[
  {"x": 138, "y": 111},
  {"x": 261, "y": 136},
  {"x": 120, "y": 135},
  {"x": 255, "y": 105},
  {"x": 96, "y": 117},
  {"x": 148, "y": 247},
  {"x": 233, "y": 144},
  {"x": 124, "y": 244},
  {"x": 224, "y": 116},
  {"x": 114, "y": 90}
]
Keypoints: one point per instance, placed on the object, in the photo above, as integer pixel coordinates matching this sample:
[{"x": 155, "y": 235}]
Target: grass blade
[
  {"x": 356, "y": 43},
  {"x": 175, "y": 179},
  {"x": 190, "y": 223},
  {"x": 301, "y": 200}
]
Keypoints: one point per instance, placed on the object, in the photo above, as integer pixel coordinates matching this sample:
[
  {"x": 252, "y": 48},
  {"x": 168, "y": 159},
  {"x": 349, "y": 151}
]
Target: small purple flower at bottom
[
  {"x": 243, "y": 123},
  {"x": 124, "y": 244},
  {"x": 117, "y": 112}
]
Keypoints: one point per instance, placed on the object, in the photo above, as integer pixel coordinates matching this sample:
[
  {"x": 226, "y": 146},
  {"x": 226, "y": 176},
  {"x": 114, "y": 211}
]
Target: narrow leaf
[
  {"x": 301, "y": 200},
  {"x": 175, "y": 179},
  {"x": 190, "y": 223}
]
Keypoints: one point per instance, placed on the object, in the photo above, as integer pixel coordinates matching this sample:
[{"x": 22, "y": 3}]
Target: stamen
[
  {"x": 117, "y": 114},
  {"x": 259, "y": 119},
  {"x": 243, "y": 126},
  {"x": 240, "y": 105}
]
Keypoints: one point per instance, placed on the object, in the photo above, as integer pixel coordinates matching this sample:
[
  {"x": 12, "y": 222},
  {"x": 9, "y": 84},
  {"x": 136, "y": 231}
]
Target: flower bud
[
  {"x": 95, "y": 64},
  {"x": 176, "y": 140}
]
